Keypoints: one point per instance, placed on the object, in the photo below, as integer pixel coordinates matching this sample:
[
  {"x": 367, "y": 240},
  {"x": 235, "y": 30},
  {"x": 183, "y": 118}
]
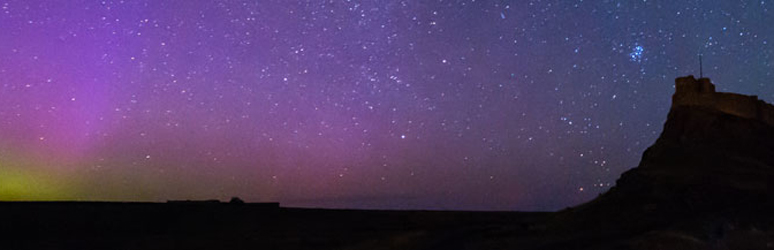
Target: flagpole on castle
[{"x": 701, "y": 68}]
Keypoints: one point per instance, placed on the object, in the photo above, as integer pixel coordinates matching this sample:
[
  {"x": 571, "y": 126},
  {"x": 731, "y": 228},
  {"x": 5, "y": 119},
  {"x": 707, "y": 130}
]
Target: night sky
[{"x": 475, "y": 105}]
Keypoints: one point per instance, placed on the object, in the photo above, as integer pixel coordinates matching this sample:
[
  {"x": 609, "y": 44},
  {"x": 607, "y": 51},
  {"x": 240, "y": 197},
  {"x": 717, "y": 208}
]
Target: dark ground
[
  {"x": 204, "y": 225},
  {"x": 98, "y": 225}
]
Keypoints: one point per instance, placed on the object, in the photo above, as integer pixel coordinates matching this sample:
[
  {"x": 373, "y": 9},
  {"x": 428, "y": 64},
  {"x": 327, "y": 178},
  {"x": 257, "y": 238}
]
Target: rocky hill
[{"x": 707, "y": 182}]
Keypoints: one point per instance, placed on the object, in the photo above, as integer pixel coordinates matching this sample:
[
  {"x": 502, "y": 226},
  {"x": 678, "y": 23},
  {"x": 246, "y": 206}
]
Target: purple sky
[{"x": 482, "y": 105}]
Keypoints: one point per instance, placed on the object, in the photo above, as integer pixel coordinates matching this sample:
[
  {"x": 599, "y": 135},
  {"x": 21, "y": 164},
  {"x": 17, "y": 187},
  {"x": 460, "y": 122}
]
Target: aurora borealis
[{"x": 476, "y": 105}]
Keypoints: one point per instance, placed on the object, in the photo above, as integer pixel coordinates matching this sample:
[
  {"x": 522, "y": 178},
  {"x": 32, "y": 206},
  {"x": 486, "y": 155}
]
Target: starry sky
[{"x": 381, "y": 104}]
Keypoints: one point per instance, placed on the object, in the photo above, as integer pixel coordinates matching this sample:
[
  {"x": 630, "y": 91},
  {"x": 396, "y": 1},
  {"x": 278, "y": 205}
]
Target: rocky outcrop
[{"x": 707, "y": 182}]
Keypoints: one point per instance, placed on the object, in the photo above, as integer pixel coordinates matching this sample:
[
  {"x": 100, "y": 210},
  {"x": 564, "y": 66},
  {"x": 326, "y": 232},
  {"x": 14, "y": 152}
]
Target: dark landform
[
  {"x": 213, "y": 225},
  {"x": 706, "y": 183}
]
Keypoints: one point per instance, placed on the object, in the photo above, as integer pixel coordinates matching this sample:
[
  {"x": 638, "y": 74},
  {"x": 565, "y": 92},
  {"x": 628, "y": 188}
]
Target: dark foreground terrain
[
  {"x": 706, "y": 183},
  {"x": 103, "y": 225},
  {"x": 199, "y": 225}
]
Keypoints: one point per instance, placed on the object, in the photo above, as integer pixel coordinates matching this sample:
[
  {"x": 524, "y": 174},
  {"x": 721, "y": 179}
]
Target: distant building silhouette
[
  {"x": 236, "y": 200},
  {"x": 193, "y": 201}
]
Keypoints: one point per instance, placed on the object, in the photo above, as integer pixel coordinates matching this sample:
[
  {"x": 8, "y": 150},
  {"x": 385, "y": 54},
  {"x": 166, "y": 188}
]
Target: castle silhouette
[{"x": 690, "y": 91}]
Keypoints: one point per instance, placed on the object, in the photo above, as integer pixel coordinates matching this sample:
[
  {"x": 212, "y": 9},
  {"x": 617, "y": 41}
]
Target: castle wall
[
  {"x": 735, "y": 104},
  {"x": 692, "y": 92},
  {"x": 767, "y": 113}
]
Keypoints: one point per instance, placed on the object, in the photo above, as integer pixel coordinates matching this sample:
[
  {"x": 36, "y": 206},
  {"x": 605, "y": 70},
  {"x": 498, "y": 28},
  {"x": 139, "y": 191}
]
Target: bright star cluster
[
  {"x": 475, "y": 105},
  {"x": 636, "y": 54}
]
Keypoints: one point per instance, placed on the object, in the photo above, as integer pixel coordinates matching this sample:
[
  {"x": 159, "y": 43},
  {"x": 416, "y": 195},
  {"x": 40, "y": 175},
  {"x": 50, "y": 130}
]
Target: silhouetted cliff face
[
  {"x": 704, "y": 162},
  {"x": 709, "y": 156},
  {"x": 709, "y": 175}
]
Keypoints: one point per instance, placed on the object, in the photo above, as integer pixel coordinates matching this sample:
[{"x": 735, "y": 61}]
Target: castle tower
[
  {"x": 690, "y": 85},
  {"x": 692, "y": 91},
  {"x": 706, "y": 86}
]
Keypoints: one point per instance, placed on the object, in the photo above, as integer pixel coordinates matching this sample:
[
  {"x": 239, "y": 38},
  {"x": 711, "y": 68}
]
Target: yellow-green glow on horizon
[{"x": 28, "y": 184}]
